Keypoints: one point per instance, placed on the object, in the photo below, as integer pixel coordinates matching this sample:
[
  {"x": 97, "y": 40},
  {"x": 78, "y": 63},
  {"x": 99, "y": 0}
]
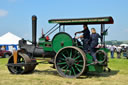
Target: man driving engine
[{"x": 85, "y": 36}]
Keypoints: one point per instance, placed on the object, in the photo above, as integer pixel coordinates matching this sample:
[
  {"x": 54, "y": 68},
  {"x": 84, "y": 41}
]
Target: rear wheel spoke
[
  {"x": 77, "y": 68},
  {"x": 70, "y": 72},
  {"x": 79, "y": 61},
  {"x": 75, "y": 54},
  {"x": 66, "y": 70},
  {"x": 73, "y": 71},
  {"x": 67, "y": 53},
  {"x": 61, "y": 63},
  {"x": 79, "y": 65},
  {"x": 71, "y": 53},
  {"x": 62, "y": 59},
  {"x": 77, "y": 57},
  {"x": 63, "y": 55},
  {"x": 64, "y": 66}
]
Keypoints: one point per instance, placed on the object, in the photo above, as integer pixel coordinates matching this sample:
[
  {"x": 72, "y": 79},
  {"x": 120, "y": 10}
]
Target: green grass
[{"x": 44, "y": 75}]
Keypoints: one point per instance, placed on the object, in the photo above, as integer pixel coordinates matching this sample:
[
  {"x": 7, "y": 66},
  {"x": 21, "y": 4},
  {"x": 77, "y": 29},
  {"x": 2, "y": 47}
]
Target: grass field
[{"x": 44, "y": 75}]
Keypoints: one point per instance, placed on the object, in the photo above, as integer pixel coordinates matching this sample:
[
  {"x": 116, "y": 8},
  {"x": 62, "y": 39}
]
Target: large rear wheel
[{"x": 70, "y": 62}]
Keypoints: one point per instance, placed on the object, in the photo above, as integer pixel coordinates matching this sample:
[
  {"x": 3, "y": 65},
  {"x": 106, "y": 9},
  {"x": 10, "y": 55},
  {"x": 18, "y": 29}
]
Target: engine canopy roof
[{"x": 81, "y": 21}]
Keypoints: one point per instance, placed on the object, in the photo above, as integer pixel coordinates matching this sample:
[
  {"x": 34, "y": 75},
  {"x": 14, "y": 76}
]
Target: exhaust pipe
[
  {"x": 32, "y": 50},
  {"x": 34, "y": 29}
]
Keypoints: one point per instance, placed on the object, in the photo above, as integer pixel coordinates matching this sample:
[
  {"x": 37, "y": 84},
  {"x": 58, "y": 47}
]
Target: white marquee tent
[
  {"x": 9, "y": 39},
  {"x": 125, "y": 45}
]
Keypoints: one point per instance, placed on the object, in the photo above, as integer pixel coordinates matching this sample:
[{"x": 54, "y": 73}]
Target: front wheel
[
  {"x": 70, "y": 62},
  {"x": 101, "y": 56},
  {"x": 22, "y": 65}
]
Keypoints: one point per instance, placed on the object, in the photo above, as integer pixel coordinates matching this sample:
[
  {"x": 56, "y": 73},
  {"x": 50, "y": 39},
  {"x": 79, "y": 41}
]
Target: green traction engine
[{"x": 65, "y": 53}]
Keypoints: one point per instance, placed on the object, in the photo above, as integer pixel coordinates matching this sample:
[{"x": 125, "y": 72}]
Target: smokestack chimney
[{"x": 34, "y": 29}]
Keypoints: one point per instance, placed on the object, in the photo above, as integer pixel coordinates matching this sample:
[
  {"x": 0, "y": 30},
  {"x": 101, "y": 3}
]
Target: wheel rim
[
  {"x": 70, "y": 62},
  {"x": 101, "y": 56}
]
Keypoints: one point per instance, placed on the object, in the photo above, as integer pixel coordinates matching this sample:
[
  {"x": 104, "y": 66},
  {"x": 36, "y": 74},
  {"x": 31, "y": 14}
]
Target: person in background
[
  {"x": 85, "y": 36},
  {"x": 3, "y": 48},
  {"x": 112, "y": 49},
  {"x": 94, "y": 42},
  {"x": 14, "y": 49},
  {"x": 118, "y": 50}
]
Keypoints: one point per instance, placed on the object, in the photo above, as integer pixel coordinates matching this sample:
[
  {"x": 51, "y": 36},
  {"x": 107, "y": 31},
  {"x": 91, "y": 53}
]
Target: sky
[{"x": 15, "y": 16}]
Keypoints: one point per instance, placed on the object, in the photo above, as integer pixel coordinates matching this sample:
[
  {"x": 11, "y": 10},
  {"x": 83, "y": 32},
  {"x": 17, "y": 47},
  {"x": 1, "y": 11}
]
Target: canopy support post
[
  {"x": 103, "y": 36},
  {"x": 59, "y": 28},
  {"x": 63, "y": 28}
]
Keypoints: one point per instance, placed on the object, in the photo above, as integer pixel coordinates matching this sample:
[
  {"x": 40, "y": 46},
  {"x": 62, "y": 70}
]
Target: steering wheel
[{"x": 77, "y": 40}]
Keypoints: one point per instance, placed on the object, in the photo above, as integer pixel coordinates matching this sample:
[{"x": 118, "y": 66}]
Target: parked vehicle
[{"x": 5, "y": 54}]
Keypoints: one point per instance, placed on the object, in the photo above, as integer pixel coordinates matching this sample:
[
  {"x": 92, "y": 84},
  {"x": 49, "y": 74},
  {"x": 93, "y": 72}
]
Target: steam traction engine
[{"x": 66, "y": 53}]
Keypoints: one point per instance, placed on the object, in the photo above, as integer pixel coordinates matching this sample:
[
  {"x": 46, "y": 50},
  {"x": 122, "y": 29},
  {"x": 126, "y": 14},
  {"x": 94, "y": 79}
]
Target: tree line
[{"x": 115, "y": 42}]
